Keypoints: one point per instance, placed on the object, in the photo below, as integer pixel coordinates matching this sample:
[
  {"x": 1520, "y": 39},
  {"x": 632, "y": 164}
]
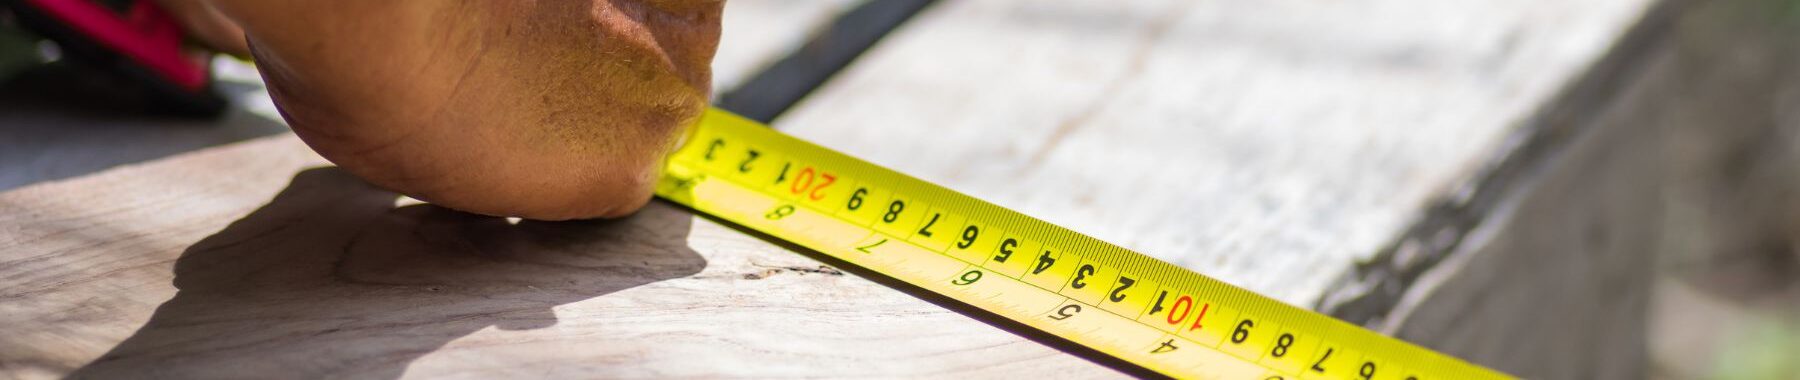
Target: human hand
[{"x": 555, "y": 109}]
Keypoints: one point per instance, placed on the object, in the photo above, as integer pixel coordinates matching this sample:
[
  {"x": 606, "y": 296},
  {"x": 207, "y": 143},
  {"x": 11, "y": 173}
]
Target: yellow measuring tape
[{"x": 1122, "y": 303}]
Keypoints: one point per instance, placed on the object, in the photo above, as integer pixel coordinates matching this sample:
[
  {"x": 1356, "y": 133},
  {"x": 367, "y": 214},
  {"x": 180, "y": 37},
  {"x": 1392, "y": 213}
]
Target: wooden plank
[
  {"x": 1304, "y": 150},
  {"x": 61, "y": 121},
  {"x": 1563, "y": 266},
  {"x": 1542, "y": 268},
  {"x": 1663, "y": 176},
  {"x": 1270, "y": 144},
  {"x": 241, "y": 261}
]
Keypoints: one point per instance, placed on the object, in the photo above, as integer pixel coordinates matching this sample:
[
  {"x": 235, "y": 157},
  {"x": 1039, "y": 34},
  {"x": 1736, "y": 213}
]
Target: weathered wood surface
[
  {"x": 59, "y": 121},
  {"x": 1554, "y": 282},
  {"x": 1436, "y": 160},
  {"x": 1271, "y": 144},
  {"x": 1268, "y": 143},
  {"x": 241, "y": 261}
]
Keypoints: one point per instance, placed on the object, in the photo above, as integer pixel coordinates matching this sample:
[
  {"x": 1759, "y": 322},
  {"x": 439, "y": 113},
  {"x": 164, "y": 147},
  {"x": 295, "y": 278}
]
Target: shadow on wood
[{"x": 331, "y": 280}]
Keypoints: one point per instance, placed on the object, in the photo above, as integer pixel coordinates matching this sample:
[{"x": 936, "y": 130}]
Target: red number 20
[{"x": 804, "y": 180}]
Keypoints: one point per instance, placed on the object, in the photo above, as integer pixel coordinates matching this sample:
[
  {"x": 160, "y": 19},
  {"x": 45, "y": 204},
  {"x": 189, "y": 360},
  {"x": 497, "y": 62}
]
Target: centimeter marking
[{"x": 1122, "y": 303}]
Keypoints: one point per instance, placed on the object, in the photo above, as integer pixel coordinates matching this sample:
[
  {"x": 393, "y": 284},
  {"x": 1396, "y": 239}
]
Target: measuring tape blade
[{"x": 1139, "y": 309}]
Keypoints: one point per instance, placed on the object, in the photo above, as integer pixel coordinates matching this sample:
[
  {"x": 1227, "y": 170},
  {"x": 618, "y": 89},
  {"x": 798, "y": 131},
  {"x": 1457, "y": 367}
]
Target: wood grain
[
  {"x": 62, "y": 121},
  {"x": 1284, "y": 146},
  {"x": 226, "y": 263},
  {"x": 1271, "y": 144},
  {"x": 1274, "y": 145},
  {"x": 1558, "y": 277},
  {"x": 258, "y": 260}
]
